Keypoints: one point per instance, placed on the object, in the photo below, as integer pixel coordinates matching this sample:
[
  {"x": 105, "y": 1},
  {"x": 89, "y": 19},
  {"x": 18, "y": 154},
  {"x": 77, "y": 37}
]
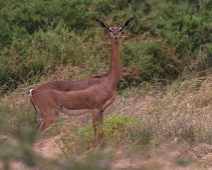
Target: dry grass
[{"x": 177, "y": 120}]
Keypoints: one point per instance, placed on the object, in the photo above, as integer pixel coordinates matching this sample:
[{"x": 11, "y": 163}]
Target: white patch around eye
[
  {"x": 110, "y": 29},
  {"x": 120, "y": 29}
]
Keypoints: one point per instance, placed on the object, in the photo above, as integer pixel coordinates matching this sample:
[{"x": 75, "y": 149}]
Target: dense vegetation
[
  {"x": 168, "y": 45},
  {"x": 165, "y": 40}
]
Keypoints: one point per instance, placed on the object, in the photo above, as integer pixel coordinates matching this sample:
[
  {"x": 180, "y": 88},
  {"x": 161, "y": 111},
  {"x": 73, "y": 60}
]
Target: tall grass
[{"x": 140, "y": 118}]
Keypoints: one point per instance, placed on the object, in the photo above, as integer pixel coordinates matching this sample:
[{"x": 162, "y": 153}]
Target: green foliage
[
  {"x": 144, "y": 61},
  {"x": 36, "y": 36},
  {"x": 203, "y": 60},
  {"x": 114, "y": 128},
  {"x": 41, "y": 54},
  {"x": 39, "y": 14}
]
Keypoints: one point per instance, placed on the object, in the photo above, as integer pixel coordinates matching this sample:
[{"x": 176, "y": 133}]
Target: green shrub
[
  {"x": 114, "y": 128},
  {"x": 164, "y": 38},
  {"x": 144, "y": 61},
  {"x": 42, "y": 53}
]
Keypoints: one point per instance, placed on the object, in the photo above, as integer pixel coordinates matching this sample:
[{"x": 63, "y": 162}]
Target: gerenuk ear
[
  {"x": 127, "y": 23},
  {"x": 102, "y": 24}
]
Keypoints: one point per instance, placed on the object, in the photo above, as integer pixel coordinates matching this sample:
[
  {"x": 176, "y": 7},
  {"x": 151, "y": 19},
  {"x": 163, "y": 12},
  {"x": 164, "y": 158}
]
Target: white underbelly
[{"x": 74, "y": 112}]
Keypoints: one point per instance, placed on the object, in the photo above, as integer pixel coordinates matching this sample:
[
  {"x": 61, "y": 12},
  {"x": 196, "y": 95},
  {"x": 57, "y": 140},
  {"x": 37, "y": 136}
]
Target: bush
[
  {"x": 165, "y": 38},
  {"x": 145, "y": 61},
  {"x": 115, "y": 128}
]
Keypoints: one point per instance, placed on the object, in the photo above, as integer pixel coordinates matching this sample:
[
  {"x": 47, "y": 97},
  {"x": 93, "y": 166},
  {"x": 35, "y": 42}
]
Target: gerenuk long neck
[{"x": 115, "y": 70}]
